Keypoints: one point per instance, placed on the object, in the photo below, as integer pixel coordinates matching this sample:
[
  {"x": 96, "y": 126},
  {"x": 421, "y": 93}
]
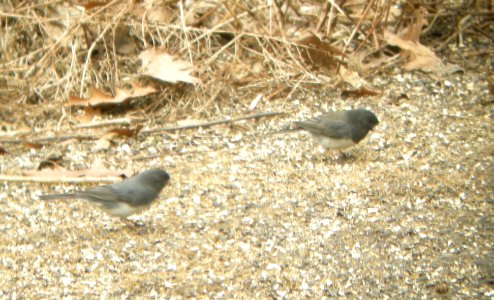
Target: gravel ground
[{"x": 247, "y": 214}]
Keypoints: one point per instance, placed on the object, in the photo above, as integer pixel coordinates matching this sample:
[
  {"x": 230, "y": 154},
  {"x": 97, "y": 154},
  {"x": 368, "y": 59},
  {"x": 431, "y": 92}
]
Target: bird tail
[
  {"x": 305, "y": 125},
  {"x": 58, "y": 196}
]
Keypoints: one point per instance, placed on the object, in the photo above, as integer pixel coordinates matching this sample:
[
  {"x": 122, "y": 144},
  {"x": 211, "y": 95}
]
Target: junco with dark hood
[
  {"x": 124, "y": 198},
  {"x": 340, "y": 129}
]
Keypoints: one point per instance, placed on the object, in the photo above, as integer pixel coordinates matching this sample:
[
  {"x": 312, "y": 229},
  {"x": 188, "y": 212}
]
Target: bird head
[
  {"x": 157, "y": 178},
  {"x": 365, "y": 118}
]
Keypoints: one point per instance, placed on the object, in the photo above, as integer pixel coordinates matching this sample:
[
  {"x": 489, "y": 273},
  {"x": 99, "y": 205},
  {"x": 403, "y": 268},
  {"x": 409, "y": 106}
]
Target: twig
[
  {"x": 19, "y": 178},
  {"x": 63, "y": 117},
  {"x": 479, "y": 52},
  {"x": 356, "y": 29},
  {"x": 211, "y": 123},
  {"x": 332, "y": 19},
  {"x": 142, "y": 132},
  {"x": 279, "y": 17},
  {"x": 51, "y": 138},
  {"x": 458, "y": 32},
  {"x": 122, "y": 121},
  {"x": 322, "y": 16}
]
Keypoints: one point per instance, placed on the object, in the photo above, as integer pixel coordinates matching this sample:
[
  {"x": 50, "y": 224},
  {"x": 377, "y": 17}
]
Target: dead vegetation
[
  {"x": 91, "y": 90},
  {"x": 52, "y": 52}
]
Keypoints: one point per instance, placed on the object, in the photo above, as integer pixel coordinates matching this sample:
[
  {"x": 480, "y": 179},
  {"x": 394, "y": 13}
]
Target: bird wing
[
  {"x": 135, "y": 191},
  {"x": 331, "y": 126},
  {"x": 100, "y": 194}
]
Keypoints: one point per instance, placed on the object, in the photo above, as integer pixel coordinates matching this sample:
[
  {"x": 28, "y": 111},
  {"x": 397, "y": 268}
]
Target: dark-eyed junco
[
  {"x": 124, "y": 198},
  {"x": 340, "y": 129}
]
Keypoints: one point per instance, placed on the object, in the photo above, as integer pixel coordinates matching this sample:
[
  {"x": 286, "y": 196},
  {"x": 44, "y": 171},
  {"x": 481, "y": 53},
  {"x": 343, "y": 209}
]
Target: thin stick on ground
[
  {"x": 211, "y": 123},
  {"x": 97, "y": 135},
  {"x": 44, "y": 179}
]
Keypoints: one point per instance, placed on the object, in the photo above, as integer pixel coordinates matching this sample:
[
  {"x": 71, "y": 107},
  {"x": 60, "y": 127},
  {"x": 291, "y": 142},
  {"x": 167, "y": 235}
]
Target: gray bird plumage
[
  {"x": 340, "y": 129},
  {"x": 123, "y": 198}
]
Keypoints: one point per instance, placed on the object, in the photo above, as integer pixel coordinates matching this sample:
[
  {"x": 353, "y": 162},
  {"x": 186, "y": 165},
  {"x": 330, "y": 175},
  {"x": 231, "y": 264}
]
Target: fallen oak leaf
[
  {"x": 106, "y": 140},
  {"x": 96, "y": 96},
  {"x": 30, "y": 145},
  {"x": 360, "y": 92},
  {"x": 318, "y": 52},
  {"x": 158, "y": 64},
  {"x": 48, "y": 164},
  {"x": 134, "y": 92},
  {"x": 419, "y": 56},
  {"x": 91, "y": 4},
  {"x": 126, "y": 132},
  {"x": 89, "y": 114},
  {"x": 52, "y": 162},
  {"x": 96, "y": 173},
  {"x": 103, "y": 143},
  {"x": 48, "y": 175},
  {"x": 351, "y": 77},
  {"x": 99, "y": 98}
]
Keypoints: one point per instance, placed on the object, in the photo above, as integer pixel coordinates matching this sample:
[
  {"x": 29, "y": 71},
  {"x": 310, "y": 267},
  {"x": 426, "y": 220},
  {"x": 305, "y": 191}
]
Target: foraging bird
[
  {"x": 340, "y": 129},
  {"x": 124, "y": 198}
]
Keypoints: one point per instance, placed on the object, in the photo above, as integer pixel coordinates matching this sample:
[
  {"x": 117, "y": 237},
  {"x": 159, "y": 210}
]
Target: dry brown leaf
[
  {"x": 419, "y": 56},
  {"x": 30, "y": 145},
  {"x": 2, "y": 150},
  {"x": 91, "y": 4},
  {"x": 100, "y": 98},
  {"x": 104, "y": 143},
  {"x": 96, "y": 170},
  {"x": 319, "y": 53},
  {"x": 106, "y": 140},
  {"x": 89, "y": 114},
  {"x": 52, "y": 162},
  {"x": 158, "y": 64},
  {"x": 49, "y": 174},
  {"x": 49, "y": 164},
  {"x": 95, "y": 97},
  {"x": 351, "y": 77},
  {"x": 125, "y": 132},
  {"x": 360, "y": 92},
  {"x": 413, "y": 31}
]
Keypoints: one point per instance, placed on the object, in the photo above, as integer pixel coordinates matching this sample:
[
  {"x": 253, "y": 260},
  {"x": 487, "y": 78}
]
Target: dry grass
[
  {"x": 52, "y": 50},
  {"x": 248, "y": 214}
]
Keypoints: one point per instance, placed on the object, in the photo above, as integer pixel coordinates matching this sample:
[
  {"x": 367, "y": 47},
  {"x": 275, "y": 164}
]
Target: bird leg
[
  {"x": 132, "y": 223},
  {"x": 344, "y": 156}
]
